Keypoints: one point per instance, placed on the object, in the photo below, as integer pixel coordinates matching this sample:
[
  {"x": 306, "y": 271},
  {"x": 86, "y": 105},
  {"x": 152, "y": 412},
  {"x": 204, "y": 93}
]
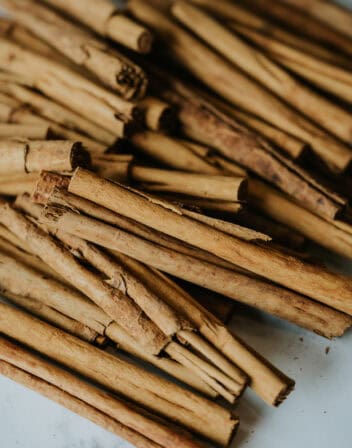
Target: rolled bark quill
[
  {"x": 223, "y": 188},
  {"x": 35, "y": 156},
  {"x": 158, "y": 115},
  {"x": 190, "y": 410},
  {"x": 17, "y": 184},
  {"x": 80, "y": 47},
  {"x": 299, "y": 21},
  {"x": 136, "y": 421},
  {"x": 32, "y": 132},
  {"x": 70, "y": 89},
  {"x": 104, "y": 18},
  {"x": 252, "y": 97},
  {"x": 310, "y": 280},
  {"x": 255, "y": 64},
  {"x": 273, "y": 299},
  {"x": 204, "y": 122},
  {"x": 119, "y": 306}
]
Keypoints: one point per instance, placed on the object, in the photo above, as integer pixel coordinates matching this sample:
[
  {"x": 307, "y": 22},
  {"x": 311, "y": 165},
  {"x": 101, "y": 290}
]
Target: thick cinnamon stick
[
  {"x": 69, "y": 88},
  {"x": 81, "y": 47},
  {"x": 107, "y": 20},
  {"x": 192, "y": 411},
  {"x": 158, "y": 114},
  {"x": 39, "y": 132},
  {"x": 15, "y": 184},
  {"x": 222, "y": 188},
  {"x": 119, "y": 306},
  {"x": 133, "y": 418},
  {"x": 237, "y": 88},
  {"x": 307, "y": 279}
]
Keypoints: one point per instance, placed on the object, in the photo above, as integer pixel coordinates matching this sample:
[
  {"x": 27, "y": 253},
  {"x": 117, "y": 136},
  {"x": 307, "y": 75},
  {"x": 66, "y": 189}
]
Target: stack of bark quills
[
  {"x": 209, "y": 336},
  {"x": 139, "y": 418},
  {"x": 246, "y": 82}
]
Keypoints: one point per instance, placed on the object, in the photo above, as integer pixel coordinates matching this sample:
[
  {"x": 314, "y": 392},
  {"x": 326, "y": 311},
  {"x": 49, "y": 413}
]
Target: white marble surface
[{"x": 318, "y": 413}]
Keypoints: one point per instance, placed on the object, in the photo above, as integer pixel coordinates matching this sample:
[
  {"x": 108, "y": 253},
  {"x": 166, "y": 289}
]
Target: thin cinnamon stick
[
  {"x": 116, "y": 167},
  {"x": 158, "y": 114},
  {"x": 24, "y": 131},
  {"x": 222, "y": 188},
  {"x": 119, "y": 306},
  {"x": 192, "y": 411},
  {"x": 15, "y": 184},
  {"x": 107, "y": 20},
  {"x": 307, "y": 279},
  {"x": 170, "y": 152},
  {"x": 81, "y": 47}
]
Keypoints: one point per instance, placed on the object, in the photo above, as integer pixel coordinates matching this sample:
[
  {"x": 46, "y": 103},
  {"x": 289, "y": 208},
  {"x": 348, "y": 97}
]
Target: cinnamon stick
[
  {"x": 158, "y": 114},
  {"x": 15, "y": 184},
  {"x": 35, "y": 156},
  {"x": 222, "y": 188},
  {"x": 107, "y": 20},
  {"x": 31, "y": 132},
  {"x": 117, "y": 410},
  {"x": 192, "y": 411},
  {"x": 307, "y": 279},
  {"x": 81, "y": 47}
]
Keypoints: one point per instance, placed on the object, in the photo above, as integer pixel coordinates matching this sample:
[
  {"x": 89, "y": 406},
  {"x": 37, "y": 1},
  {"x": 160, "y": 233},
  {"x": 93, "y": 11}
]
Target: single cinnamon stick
[
  {"x": 170, "y": 152},
  {"x": 231, "y": 208},
  {"x": 35, "y": 156},
  {"x": 16, "y": 184},
  {"x": 31, "y": 132},
  {"x": 190, "y": 410},
  {"x": 133, "y": 418},
  {"x": 107, "y": 20},
  {"x": 119, "y": 306},
  {"x": 159, "y": 115},
  {"x": 81, "y": 47},
  {"x": 239, "y": 89},
  {"x": 69, "y": 88},
  {"x": 116, "y": 167},
  {"x": 307, "y": 279},
  {"x": 325, "y": 113},
  {"x": 222, "y": 188}
]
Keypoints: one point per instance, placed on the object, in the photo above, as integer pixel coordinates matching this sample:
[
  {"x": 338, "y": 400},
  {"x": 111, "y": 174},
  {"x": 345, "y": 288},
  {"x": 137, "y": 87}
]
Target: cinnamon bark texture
[
  {"x": 132, "y": 419},
  {"x": 34, "y": 156},
  {"x": 315, "y": 282},
  {"x": 192, "y": 411},
  {"x": 32, "y": 132},
  {"x": 107, "y": 20},
  {"x": 81, "y": 47}
]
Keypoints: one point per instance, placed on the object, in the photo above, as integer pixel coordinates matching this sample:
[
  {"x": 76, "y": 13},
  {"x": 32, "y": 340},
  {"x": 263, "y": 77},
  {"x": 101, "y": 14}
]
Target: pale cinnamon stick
[
  {"x": 107, "y": 20},
  {"x": 222, "y": 188},
  {"x": 81, "y": 47},
  {"x": 32, "y": 132},
  {"x": 17, "y": 184},
  {"x": 158, "y": 114},
  {"x": 192, "y": 411},
  {"x": 307, "y": 279}
]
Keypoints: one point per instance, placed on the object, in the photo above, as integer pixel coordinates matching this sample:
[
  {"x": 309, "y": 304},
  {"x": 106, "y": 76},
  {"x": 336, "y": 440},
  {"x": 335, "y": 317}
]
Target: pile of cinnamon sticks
[{"x": 123, "y": 183}]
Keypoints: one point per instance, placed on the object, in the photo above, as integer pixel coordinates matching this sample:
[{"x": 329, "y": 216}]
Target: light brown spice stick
[
  {"x": 317, "y": 283},
  {"x": 237, "y": 88},
  {"x": 192, "y": 411},
  {"x": 158, "y": 114},
  {"x": 18, "y": 184},
  {"x": 216, "y": 187},
  {"x": 119, "y": 306},
  {"x": 107, "y": 20},
  {"x": 39, "y": 132}
]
